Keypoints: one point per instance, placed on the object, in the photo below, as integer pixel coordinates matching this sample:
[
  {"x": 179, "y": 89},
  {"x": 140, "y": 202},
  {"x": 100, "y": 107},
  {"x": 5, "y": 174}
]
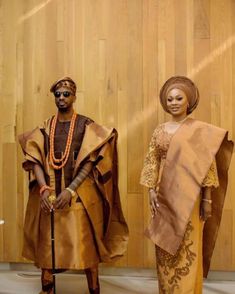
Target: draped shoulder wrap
[{"x": 189, "y": 157}]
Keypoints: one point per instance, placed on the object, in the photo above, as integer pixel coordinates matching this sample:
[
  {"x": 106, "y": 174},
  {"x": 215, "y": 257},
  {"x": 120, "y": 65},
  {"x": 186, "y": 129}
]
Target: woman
[{"x": 186, "y": 173}]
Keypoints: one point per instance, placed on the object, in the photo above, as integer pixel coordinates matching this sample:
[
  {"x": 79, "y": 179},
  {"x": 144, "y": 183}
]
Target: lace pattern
[
  {"x": 155, "y": 159},
  {"x": 172, "y": 268},
  {"x": 159, "y": 144},
  {"x": 211, "y": 180}
]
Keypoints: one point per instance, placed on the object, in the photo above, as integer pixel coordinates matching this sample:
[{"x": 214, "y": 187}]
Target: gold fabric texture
[
  {"x": 90, "y": 231},
  {"x": 211, "y": 179},
  {"x": 182, "y": 272},
  {"x": 174, "y": 270},
  {"x": 184, "y": 167},
  {"x": 155, "y": 159}
]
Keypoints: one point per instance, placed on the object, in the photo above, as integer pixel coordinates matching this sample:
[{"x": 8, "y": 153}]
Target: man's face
[{"x": 64, "y": 99}]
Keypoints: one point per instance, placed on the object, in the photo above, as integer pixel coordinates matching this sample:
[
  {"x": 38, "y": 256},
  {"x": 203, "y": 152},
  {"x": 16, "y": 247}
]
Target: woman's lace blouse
[{"x": 156, "y": 156}]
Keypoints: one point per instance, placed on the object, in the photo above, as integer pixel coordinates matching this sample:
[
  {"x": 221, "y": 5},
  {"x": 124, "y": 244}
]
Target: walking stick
[{"x": 52, "y": 199}]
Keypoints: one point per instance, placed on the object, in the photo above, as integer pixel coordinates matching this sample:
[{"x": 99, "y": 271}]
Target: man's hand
[
  {"x": 45, "y": 204},
  {"x": 153, "y": 202},
  {"x": 63, "y": 199},
  {"x": 206, "y": 210}
]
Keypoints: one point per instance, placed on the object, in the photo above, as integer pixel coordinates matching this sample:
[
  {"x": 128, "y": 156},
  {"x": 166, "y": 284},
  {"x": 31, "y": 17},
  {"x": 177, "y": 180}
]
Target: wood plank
[
  {"x": 223, "y": 253},
  {"x": 180, "y": 37},
  {"x": 10, "y": 228},
  {"x": 136, "y": 242},
  {"x": 201, "y": 39},
  {"x": 134, "y": 92}
]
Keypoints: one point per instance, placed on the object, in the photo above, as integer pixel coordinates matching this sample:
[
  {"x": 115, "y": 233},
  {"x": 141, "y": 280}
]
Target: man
[{"x": 75, "y": 159}]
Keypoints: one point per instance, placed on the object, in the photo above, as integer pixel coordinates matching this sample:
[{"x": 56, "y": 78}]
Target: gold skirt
[
  {"x": 75, "y": 245},
  {"x": 183, "y": 272}
]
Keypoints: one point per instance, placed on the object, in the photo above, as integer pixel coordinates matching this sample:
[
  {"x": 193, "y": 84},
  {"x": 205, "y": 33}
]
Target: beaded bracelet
[
  {"x": 73, "y": 193},
  {"x": 207, "y": 200},
  {"x": 44, "y": 188}
]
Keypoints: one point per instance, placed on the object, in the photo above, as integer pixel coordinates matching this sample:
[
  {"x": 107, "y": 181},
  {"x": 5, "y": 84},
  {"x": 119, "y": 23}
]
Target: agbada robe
[{"x": 92, "y": 229}]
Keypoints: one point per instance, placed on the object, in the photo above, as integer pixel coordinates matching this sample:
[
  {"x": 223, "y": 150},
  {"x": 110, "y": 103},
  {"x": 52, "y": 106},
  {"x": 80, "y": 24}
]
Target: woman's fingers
[
  {"x": 205, "y": 211},
  {"x": 152, "y": 210},
  {"x": 154, "y": 206}
]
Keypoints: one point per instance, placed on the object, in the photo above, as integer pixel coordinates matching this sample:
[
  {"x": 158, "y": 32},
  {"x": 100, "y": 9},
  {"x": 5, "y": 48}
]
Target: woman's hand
[
  {"x": 63, "y": 199},
  {"x": 206, "y": 204},
  {"x": 153, "y": 202},
  {"x": 206, "y": 210},
  {"x": 45, "y": 203}
]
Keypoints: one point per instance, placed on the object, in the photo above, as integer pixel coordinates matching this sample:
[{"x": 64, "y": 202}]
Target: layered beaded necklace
[{"x": 58, "y": 163}]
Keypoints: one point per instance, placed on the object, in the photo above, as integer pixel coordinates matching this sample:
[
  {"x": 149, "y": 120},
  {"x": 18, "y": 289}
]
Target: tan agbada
[
  {"x": 189, "y": 157},
  {"x": 88, "y": 232}
]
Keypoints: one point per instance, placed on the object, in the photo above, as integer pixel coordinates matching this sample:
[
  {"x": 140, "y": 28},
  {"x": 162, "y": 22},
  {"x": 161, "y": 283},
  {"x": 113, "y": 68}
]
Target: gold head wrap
[
  {"x": 184, "y": 84},
  {"x": 65, "y": 82}
]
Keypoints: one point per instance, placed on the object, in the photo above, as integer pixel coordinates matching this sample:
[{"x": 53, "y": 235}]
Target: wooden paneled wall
[{"x": 120, "y": 52}]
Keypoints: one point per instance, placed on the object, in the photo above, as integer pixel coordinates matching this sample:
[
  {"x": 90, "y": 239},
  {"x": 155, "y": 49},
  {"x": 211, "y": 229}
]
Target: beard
[{"x": 63, "y": 109}]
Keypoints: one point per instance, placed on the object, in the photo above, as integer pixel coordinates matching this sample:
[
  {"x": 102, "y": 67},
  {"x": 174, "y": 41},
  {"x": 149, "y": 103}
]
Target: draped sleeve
[
  {"x": 150, "y": 172},
  {"x": 211, "y": 179}
]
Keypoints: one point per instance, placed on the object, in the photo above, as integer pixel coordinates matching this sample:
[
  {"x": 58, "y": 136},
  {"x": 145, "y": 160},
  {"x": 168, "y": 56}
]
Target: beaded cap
[{"x": 65, "y": 82}]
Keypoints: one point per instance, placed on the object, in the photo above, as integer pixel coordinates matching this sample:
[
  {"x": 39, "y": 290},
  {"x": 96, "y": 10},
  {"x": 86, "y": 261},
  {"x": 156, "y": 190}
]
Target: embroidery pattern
[
  {"x": 212, "y": 177},
  {"x": 156, "y": 156},
  {"x": 171, "y": 268},
  {"x": 155, "y": 159}
]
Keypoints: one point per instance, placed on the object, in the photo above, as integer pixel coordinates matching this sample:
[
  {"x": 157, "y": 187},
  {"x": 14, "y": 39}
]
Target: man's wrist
[
  {"x": 44, "y": 188},
  {"x": 72, "y": 192}
]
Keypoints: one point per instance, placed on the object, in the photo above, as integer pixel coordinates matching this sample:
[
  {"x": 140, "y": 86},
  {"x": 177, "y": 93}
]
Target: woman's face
[{"x": 177, "y": 103}]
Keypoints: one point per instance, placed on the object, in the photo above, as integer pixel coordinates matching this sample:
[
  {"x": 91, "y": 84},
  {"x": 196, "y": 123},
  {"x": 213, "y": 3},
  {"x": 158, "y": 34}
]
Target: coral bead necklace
[{"x": 58, "y": 163}]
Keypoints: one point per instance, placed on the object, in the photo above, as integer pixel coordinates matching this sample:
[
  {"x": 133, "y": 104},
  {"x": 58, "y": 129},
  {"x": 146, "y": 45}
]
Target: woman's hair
[{"x": 184, "y": 84}]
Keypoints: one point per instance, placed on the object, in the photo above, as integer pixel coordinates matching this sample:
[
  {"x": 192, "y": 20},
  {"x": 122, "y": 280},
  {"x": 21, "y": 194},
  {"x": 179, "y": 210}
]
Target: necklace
[
  {"x": 58, "y": 163},
  {"x": 178, "y": 122}
]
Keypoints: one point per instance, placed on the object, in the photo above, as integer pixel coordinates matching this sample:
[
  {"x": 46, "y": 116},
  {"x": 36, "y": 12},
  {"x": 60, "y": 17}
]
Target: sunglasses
[{"x": 65, "y": 94}]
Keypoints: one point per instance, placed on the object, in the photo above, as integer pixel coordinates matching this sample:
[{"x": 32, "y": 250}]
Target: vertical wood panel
[
  {"x": 150, "y": 107},
  {"x": 10, "y": 213},
  {"x": 136, "y": 227},
  {"x": 224, "y": 241},
  {"x": 120, "y": 52},
  {"x": 2, "y": 22},
  {"x": 201, "y": 53},
  {"x": 180, "y": 37},
  {"x": 135, "y": 90}
]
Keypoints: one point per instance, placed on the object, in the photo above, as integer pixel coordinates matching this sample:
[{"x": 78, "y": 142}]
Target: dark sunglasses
[{"x": 65, "y": 94}]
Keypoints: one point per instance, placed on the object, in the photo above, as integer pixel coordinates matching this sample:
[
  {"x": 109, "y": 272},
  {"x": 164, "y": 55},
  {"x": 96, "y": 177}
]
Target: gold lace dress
[{"x": 180, "y": 273}]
